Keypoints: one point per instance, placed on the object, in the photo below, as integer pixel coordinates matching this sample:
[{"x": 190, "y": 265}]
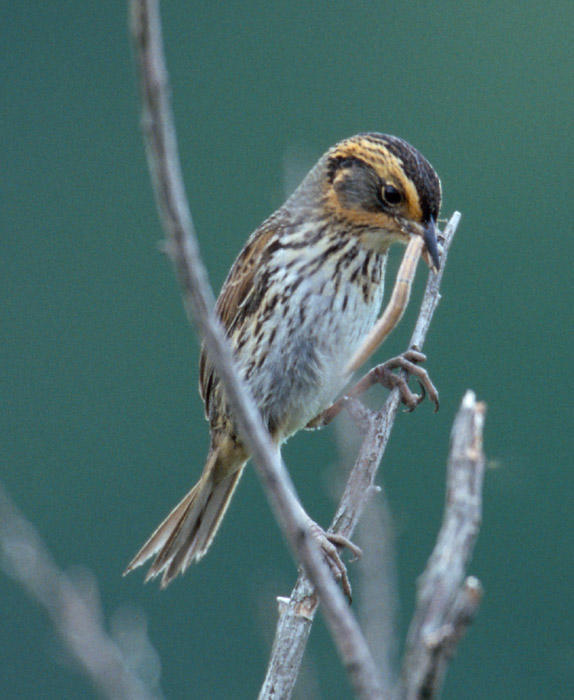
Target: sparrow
[{"x": 302, "y": 294}]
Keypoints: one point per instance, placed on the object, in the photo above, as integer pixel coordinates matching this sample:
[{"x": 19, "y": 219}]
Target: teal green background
[{"x": 102, "y": 428}]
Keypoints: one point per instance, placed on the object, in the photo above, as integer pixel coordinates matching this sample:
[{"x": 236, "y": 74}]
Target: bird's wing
[{"x": 240, "y": 295}]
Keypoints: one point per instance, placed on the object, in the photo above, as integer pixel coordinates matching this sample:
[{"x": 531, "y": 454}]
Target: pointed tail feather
[{"x": 187, "y": 532}]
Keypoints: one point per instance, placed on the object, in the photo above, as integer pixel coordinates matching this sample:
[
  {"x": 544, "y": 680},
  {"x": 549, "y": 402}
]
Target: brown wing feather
[{"x": 235, "y": 293}]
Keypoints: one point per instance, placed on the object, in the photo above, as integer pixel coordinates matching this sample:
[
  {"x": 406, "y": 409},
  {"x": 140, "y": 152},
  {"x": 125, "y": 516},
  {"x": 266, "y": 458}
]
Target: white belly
[{"x": 318, "y": 329}]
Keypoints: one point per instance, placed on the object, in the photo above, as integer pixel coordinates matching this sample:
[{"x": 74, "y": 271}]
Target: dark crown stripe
[{"x": 417, "y": 168}]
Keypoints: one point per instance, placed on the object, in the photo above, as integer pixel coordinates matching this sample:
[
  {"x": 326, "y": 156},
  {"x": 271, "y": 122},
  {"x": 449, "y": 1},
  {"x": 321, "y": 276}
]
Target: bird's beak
[{"x": 432, "y": 254}]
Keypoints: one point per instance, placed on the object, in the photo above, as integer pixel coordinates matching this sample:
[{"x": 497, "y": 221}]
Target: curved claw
[
  {"x": 423, "y": 390},
  {"x": 418, "y": 399}
]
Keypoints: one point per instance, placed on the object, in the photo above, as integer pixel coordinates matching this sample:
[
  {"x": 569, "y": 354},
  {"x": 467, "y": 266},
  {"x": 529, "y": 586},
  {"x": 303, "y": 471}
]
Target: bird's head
[{"x": 384, "y": 190}]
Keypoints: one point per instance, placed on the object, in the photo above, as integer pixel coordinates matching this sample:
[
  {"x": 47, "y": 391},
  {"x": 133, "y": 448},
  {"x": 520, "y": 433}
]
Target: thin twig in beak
[{"x": 395, "y": 308}]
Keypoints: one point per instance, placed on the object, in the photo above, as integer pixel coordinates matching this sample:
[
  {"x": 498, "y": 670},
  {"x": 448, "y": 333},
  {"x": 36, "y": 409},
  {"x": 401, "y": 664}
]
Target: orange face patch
[{"x": 388, "y": 167}]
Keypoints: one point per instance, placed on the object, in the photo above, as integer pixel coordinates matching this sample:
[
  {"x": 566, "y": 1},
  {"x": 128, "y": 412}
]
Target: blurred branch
[
  {"x": 445, "y": 604},
  {"x": 163, "y": 160},
  {"x": 297, "y": 612},
  {"x": 76, "y": 616},
  {"x": 375, "y": 574},
  {"x": 377, "y": 585}
]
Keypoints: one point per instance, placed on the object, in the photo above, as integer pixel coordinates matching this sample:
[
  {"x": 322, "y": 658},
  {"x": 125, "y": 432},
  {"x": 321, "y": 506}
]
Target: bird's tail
[{"x": 185, "y": 535}]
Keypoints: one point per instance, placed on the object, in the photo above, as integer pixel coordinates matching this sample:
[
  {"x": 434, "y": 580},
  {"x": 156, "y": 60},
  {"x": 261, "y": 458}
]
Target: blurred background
[{"x": 102, "y": 426}]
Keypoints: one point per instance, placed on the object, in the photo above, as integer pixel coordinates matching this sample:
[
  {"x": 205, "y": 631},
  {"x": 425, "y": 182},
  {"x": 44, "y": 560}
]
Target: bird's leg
[
  {"x": 383, "y": 374},
  {"x": 330, "y": 543}
]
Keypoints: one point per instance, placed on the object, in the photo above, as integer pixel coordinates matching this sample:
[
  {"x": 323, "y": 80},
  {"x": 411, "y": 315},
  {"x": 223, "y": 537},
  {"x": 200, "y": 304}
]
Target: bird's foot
[
  {"x": 330, "y": 544},
  {"x": 383, "y": 374},
  {"x": 407, "y": 361}
]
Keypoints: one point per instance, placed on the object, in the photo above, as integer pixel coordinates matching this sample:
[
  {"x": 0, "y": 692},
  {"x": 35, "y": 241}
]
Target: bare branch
[
  {"x": 76, "y": 616},
  {"x": 375, "y": 574},
  {"x": 377, "y": 584},
  {"x": 297, "y": 615},
  {"x": 446, "y": 605},
  {"x": 198, "y": 300}
]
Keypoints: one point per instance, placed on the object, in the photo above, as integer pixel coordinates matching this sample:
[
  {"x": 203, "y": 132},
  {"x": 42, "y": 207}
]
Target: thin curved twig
[
  {"x": 395, "y": 308},
  {"x": 163, "y": 160}
]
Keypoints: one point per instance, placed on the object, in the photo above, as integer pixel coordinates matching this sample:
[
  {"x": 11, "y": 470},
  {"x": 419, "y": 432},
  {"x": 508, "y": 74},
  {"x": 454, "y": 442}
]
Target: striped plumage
[{"x": 302, "y": 294}]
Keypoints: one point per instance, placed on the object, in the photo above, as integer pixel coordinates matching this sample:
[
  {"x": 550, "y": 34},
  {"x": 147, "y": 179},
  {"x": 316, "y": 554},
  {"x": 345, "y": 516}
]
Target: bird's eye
[{"x": 391, "y": 195}]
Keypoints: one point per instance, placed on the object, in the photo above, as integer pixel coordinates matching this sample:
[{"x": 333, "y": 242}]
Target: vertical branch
[
  {"x": 446, "y": 603},
  {"x": 298, "y": 611},
  {"x": 182, "y": 245},
  {"x": 378, "y": 586},
  {"x": 376, "y": 575}
]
